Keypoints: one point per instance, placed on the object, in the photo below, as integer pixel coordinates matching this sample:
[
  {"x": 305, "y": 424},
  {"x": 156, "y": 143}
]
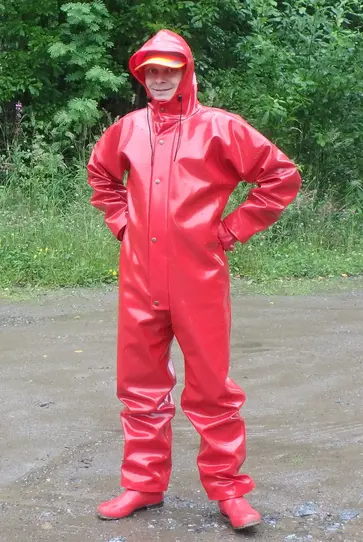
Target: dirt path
[{"x": 300, "y": 361}]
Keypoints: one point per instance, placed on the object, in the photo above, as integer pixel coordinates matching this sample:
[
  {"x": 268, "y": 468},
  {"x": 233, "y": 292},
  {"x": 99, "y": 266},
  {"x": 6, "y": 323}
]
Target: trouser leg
[
  {"x": 211, "y": 400},
  {"x": 144, "y": 384}
]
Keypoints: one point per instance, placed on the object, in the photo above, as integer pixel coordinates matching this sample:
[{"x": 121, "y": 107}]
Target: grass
[
  {"x": 45, "y": 243},
  {"x": 48, "y": 244}
]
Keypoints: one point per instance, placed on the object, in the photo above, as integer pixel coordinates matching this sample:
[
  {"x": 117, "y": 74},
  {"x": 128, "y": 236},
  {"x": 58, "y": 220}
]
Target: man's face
[{"x": 162, "y": 82}]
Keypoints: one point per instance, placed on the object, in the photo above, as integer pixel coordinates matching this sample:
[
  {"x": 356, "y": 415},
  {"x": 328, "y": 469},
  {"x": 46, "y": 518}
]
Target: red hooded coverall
[{"x": 183, "y": 160}]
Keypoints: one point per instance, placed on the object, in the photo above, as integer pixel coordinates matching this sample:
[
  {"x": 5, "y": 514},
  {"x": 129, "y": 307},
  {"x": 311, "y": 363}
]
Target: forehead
[{"x": 159, "y": 67}]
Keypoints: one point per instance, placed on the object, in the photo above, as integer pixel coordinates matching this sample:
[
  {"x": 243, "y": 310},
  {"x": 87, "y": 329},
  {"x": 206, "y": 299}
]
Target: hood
[{"x": 166, "y": 41}]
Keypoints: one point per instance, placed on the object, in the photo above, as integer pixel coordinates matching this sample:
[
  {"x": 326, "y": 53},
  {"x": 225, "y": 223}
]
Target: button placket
[{"x": 157, "y": 226}]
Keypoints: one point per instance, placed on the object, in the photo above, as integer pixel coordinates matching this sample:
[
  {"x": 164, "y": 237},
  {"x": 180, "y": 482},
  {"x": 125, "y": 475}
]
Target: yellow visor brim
[{"x": 169, "y": 62}]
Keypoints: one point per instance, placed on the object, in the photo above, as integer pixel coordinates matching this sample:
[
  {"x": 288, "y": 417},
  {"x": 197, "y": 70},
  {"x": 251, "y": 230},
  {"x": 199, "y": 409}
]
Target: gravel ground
[{"x": 298, "y": 358}]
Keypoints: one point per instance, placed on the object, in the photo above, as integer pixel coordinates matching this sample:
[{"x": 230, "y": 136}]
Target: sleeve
[
  {"x": 256, "y": 160},
  {"x": 106, "y": 169}
]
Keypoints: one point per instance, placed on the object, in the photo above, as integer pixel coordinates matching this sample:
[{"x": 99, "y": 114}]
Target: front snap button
[
  {"x": 154, "y": 239},
  {"x": 158, "y": 181},
  {"x": 156, "y": 303},
  {"x": 161, "y": 142},
  {"x": 162, "y": 109}
]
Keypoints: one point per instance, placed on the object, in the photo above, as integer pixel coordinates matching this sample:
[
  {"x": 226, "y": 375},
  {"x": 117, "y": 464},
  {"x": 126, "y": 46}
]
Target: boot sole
[
  {"x": 241, "y": 527},
  {"x": 148, "y": 507},
  {"x": 247, "y": 526}
]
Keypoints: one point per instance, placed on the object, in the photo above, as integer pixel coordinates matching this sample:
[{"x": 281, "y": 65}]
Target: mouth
[{"x": 161, "y": 89}]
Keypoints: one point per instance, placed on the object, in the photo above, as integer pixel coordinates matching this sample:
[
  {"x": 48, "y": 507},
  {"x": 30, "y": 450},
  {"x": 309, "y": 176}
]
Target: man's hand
[{"x": 226, "y": 238}]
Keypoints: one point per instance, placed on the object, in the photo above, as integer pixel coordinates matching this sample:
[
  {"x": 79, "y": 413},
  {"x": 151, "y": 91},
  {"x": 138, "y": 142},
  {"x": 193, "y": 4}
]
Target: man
[{"x": 183, "y": 160}]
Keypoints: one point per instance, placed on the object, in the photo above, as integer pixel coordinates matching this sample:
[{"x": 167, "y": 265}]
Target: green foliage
[
  {"x": 212, "y": 28},
  {"x": 59, "y": 249},
  {"x": 80, "y": 113},
  {"x": 82, "y": 54},
  {"x": 67, "y": 244},
  {"x": 27, "y": 29},
  {"x": 293, "y": 68},
  {"x": 38, "y": 176},
  {"x": 299, "y": 80}
]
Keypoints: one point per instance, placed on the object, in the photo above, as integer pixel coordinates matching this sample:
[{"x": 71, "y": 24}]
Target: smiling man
[
  {"x": 183, "y": 160},
  {"x": 162, "y": 75}
]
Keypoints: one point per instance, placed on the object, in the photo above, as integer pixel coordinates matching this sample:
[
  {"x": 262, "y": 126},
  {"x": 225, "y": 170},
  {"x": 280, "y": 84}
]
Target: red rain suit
[{"x": 182, "y": 160}]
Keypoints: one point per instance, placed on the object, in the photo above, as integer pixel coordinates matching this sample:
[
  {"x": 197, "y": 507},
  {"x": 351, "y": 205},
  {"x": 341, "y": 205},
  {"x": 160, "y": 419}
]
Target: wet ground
[{"x": 300, "y": 361}]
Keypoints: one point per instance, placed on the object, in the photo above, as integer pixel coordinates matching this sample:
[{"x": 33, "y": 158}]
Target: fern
[
  {"x": 106, "y": 77},
  {"x": 79, "y": 113},
  {"x": 82, "y": 52}
]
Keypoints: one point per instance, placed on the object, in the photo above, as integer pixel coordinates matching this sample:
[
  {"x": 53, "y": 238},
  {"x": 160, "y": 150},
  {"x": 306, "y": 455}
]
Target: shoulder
[
  {"x": 134, "y": 115},
  {"x": 215, "y": 113},
  {"x": 223, "y": 119},
  {"x": 122, "y": 128},
  {"x": 127, "y": 120},
  {"x": 227, "y": 126}
]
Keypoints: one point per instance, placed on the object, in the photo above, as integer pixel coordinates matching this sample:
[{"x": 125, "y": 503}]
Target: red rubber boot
[
  {"x": 129, "y": 502},
  {"x": 240, "y": 514}
]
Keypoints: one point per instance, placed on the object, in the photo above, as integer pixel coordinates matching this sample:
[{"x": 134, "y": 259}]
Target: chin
[{"x": 162, "y": 98}]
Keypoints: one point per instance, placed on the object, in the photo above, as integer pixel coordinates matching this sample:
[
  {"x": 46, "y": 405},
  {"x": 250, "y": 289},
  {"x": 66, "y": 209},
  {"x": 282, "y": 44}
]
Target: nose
[{"x": 160, "y": 78}]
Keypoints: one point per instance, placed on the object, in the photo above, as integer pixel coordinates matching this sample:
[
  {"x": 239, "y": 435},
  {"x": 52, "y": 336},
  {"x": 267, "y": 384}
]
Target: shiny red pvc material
[{"x": 174, "y": 276}]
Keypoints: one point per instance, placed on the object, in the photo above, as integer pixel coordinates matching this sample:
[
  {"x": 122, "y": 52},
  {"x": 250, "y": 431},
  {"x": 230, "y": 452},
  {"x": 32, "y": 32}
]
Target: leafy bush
[
  {"x": 299, "y": 80},
  {"x": 82, "y": 53},
  {"x": 292, "y": 68}
]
